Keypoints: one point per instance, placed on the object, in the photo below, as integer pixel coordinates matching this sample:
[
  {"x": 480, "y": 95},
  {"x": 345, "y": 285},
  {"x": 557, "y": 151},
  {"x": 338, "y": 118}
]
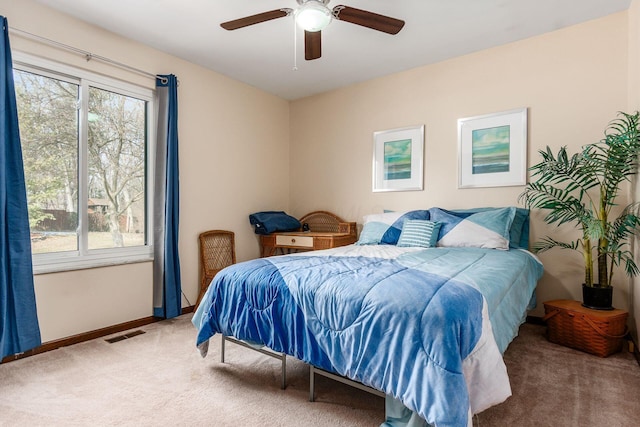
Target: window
[{"x": 85, "y": 146}]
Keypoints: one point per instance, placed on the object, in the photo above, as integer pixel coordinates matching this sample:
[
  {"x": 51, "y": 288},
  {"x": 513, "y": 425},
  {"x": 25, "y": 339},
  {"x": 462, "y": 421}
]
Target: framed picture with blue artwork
[
  {"x": 492, "y": 150},
  {"x": 398, "y": 159}
]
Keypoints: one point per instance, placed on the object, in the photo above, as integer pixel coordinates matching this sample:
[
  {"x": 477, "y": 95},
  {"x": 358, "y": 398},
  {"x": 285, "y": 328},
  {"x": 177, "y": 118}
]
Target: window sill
[{"x": 76, "y": 264}]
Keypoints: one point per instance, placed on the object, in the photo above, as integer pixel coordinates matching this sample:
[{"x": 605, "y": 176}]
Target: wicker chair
[{"x": 217, "y": 251}]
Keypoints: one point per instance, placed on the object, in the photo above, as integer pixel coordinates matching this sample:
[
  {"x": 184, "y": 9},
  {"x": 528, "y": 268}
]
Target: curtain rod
[{"x": 87, "y": 55}]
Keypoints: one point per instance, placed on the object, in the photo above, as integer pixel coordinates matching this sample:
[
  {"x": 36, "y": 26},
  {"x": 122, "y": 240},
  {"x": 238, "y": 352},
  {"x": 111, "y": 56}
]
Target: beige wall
[
  {"x": 573, "y": 81},
  {"x": 234, "y": 156}
]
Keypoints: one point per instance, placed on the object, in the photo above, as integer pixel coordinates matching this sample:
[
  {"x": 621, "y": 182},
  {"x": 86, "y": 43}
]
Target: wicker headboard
[{"x": 326, "y": 222}]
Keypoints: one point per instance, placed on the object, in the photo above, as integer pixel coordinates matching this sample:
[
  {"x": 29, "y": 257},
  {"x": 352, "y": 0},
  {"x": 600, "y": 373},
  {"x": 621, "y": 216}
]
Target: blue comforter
[{"x": 413, "y": 323}]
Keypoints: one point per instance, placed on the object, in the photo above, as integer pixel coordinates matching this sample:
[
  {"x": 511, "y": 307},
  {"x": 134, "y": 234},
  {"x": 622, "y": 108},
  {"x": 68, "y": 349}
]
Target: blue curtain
[
  {"x": 167, "y": 289},
  {"x": 19, "y": 329}
]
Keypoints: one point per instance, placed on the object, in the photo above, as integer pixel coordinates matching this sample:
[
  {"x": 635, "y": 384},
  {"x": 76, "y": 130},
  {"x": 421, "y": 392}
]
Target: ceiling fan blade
[
  {"x": 255, "y": 19},
  {"x": 367, "y": 19},
  {"x": 312, "y": 45}
]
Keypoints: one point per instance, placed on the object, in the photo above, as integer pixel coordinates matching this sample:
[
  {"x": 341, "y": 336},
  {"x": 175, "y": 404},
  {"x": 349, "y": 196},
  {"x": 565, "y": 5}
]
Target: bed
[{"x": 421, "y": 308}]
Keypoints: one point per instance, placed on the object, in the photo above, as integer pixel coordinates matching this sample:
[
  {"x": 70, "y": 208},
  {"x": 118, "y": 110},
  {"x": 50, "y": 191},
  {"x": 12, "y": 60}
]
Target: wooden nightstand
[{"x": 326, "y": 231}]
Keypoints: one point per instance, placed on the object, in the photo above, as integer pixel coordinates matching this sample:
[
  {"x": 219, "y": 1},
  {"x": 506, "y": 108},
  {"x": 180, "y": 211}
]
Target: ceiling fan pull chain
[{"x": 295, "y": 44}]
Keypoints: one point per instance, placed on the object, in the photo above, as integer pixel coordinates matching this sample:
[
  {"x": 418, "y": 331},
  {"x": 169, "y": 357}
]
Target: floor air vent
[{"x": 125, "y": 336}]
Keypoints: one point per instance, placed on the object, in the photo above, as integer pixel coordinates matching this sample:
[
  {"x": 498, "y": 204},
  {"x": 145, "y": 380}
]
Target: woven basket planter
[{"x": 594, "y": 331}]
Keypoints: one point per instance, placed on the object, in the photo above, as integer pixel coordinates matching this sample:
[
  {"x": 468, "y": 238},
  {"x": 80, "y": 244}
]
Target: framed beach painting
[
  {"x": 398, "y": 159},
  {"x": 492, "y": 150}
]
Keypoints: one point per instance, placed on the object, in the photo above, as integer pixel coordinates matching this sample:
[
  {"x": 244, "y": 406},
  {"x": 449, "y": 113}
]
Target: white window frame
[{"x": 84, "y": 257}]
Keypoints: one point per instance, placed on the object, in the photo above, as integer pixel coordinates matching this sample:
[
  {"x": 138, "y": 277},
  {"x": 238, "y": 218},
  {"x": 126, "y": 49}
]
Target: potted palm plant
[{"x": 583, "y": 189}]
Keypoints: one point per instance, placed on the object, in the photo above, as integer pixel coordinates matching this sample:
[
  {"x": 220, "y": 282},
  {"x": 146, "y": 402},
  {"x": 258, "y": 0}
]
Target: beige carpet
[
  {"x": 554, "y": 385},
  {"x": 159, "y": 379}
]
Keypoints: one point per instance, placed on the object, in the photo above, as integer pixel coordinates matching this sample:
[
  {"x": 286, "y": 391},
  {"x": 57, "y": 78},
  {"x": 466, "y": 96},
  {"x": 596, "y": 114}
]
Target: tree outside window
[{"x": 89, "y": 177}]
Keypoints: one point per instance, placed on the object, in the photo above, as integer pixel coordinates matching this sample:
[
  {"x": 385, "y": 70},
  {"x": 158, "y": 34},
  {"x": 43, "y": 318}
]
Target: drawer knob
[{"x": 293, "y": 240}]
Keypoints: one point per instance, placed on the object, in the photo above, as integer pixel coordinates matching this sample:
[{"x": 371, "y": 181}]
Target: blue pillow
[
  {"x": 419, "y": 233},
  {"x": 519, "y": 231},
  {"x": 486, "y": 229},
  {"x": 385, "y": 228},
  {"x": 521, "y": 223}
]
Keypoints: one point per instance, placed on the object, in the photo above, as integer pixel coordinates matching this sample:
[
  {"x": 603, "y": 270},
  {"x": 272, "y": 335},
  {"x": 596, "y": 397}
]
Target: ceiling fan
[{"x": 314, "y": 15}]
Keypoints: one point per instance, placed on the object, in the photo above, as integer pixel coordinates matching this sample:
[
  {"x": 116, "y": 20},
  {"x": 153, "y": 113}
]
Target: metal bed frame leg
[
  {"x": 312, "y": 385},
  {"x": 283, "y": 377},
  {"x": 313, "y": 370},
  {"x": 266, "y": 351}
]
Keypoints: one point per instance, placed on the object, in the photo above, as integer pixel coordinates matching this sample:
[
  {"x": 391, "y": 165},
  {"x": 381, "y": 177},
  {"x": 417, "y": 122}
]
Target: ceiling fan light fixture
[{"x": 313, "y": 16}]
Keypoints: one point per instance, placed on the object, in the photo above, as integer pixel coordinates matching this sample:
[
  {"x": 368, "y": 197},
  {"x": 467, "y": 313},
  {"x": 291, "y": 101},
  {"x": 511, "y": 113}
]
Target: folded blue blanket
[{"x": 272, "y": 221}]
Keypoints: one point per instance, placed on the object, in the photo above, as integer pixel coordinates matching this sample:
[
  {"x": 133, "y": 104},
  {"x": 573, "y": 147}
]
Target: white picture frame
[
  {"x": 398, "y": 159},
  {"x": 492, "y": 150}
]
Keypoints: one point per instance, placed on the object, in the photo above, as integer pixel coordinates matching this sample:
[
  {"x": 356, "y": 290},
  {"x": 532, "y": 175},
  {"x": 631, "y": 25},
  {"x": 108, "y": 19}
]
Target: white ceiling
[{"x": 262, "y": 55}]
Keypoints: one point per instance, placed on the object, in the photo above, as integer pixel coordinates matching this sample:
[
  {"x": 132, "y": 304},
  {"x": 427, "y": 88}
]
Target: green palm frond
[
  {"x": 625, "y": 124},
  {"x": 594, "y": 228},
  {"x": 562, "y": 205},
  {"x": 615, "y": 162},
  {"x": 550, "y": 243},
  {"x": 630, "y": 266},
  {"x": 624, "y": 257},
  {"x": 616, "y": 155},
  {"x": 572, "y": 172},
  {"x": 625, "y": 225}
]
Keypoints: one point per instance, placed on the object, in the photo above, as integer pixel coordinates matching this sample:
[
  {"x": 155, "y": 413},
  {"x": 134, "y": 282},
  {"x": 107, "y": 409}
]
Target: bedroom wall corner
[{"x": 634, "y": 105}]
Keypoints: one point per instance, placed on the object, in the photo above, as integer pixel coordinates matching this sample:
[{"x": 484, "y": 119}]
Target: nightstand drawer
[
  {"x": 297, "y": 241},
  {"x": 325, "y": 231}
]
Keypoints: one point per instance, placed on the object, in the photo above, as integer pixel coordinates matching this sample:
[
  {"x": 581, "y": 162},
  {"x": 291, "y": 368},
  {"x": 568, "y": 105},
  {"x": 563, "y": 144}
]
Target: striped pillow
[
  {"x": 420, "y": 233},
  {"x": 385, "y": 228}
]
